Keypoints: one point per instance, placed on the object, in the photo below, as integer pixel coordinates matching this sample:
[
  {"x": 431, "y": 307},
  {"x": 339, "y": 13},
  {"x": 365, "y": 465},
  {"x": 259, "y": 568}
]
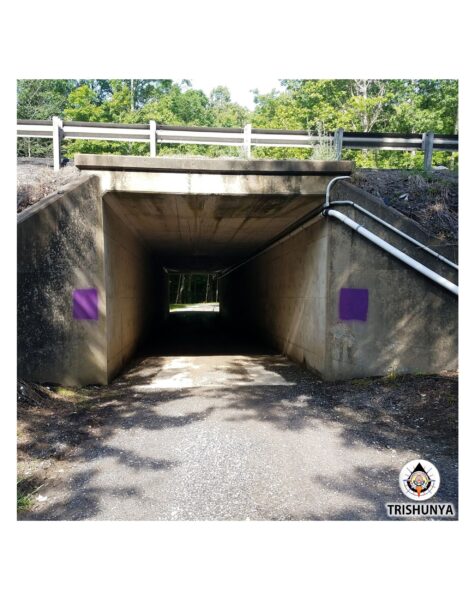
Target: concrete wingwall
[
  {"x": 382, "y": 316},
  {"x": 61, "y": 302},
  {"x": 330, "y": 299},
  {"x": 88, "y": 291},
  {"x": 137, "y": 291}
]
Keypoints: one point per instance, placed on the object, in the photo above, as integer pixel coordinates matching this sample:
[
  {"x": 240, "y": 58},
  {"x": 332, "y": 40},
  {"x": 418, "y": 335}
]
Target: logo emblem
[{"x": 419, "y": 480}]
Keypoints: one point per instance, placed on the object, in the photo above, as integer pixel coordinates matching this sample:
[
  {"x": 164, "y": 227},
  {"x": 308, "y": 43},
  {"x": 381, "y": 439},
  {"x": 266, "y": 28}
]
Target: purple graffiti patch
[
  {"x": 85, "y": 304},
  {"x": 353, "y": 304}
]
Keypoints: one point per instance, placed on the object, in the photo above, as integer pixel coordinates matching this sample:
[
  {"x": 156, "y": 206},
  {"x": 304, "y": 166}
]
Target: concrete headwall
[
  {"x": 136, "y": 291},
  {"x": 61, "y": 290}
]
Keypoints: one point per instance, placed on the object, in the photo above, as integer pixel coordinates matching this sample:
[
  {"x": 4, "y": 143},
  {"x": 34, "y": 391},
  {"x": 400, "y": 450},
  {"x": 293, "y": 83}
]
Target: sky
[{"x": 240, "y": 89}]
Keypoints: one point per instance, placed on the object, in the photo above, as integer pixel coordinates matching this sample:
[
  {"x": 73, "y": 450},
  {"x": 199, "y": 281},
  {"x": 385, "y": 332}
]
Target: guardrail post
[
  {"x": 57, "y": 137},
  {"x": 428, "y": 147},
  {"x": 153, "y": 138},
  {"x": 247, "y": 140},
  {"x": 338, "y": 142}
]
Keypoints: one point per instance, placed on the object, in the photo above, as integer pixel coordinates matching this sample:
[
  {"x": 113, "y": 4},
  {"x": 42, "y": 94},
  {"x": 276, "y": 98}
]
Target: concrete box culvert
[{"x": 117, "y": 227}]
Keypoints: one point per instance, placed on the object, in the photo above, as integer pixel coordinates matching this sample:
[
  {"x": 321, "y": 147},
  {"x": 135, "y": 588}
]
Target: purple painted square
[
  {"x": 85, "y": 305},
  {"x": 353, "y": 304}
]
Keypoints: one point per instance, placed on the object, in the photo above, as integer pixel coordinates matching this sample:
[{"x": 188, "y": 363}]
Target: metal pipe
[
  {"x": 329, "y": 187},
  {"x": 277, "y": 242},
  {"x": 448, "y": 285},
  {"x": 290, "y": 234},
  {"x": 396, "y": 230}
]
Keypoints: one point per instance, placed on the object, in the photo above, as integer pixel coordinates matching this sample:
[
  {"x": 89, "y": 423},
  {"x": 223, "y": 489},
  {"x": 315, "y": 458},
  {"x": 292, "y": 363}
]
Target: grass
[
  {"x": 65, "y": 392},
  {"x": 392, "y": 376},
  {"x": 23, "y": 501},
  {"x": 26, "y": 488}
]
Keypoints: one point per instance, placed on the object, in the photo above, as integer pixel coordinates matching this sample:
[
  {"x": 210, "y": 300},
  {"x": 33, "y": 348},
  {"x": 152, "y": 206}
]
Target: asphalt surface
[{"x": 223, "y": 430}]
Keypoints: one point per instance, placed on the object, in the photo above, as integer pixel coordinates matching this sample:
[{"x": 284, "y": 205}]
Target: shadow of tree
[
  {"x": 84, "y": 436},
  {"x": 391, "y": 415},
  {"x": 361, "y": 494},
  {"x": 410, "y": 414},
  {"x": 83, "y": 503}
]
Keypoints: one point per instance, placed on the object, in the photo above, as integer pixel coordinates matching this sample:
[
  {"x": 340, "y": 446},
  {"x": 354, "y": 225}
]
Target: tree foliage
[{"x": 395, "y": 105}]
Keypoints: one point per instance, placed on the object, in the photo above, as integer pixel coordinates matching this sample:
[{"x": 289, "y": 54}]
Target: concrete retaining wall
[
  {"x": 332, "y": 300},
  {"x": 411, "y": 322},
  {"x": 74, "y": 249},
  {"x": 61, "y": 281}
]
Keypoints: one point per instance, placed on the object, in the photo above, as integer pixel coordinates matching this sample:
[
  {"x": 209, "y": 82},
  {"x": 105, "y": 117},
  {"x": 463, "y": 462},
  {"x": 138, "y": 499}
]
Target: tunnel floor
[
  {"x": 223, "y": 430},
  {"x": 203, "y": 332}
]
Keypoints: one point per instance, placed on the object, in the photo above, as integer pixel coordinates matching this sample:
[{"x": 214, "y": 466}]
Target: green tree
[
  {"x": 83, "y": 104},
  {"x": 391, "y": 105},
  {"x": 226, "y": 113},
  {"x": 40, "y": 99}
]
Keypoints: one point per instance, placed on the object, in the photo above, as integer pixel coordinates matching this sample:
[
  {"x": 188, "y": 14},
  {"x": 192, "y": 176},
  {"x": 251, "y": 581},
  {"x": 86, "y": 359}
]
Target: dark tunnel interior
[{"x": 164, "y": 256}]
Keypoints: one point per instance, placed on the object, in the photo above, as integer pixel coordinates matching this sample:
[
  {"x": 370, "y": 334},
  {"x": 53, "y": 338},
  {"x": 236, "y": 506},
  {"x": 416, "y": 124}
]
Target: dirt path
[{"x": 245, "y": 436}]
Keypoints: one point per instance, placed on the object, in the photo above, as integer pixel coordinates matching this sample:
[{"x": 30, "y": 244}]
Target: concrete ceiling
[{"x": 201, "y": 232}]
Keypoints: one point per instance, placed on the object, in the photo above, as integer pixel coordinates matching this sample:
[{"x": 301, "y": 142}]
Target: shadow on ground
[{"x": 409, "y": 415}]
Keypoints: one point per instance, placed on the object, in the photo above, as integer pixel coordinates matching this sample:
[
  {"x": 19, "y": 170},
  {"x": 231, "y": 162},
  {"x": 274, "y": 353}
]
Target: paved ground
[
  {"x": 195, "y": 435},
  {"x": 201, "y": 307}
]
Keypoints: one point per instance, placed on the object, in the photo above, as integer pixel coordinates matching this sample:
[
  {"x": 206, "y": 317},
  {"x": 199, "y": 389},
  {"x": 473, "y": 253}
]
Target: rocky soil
[{"x": 429, "y": 199}]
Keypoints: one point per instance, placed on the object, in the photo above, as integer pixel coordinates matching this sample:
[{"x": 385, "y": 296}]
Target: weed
[
  {"x": 392, "y": 376},
  {"x": 65, "y": 392},
  {"x": 26, "y": 488},
  {"x": 325, "y": 148},
  {"x": 23, "y": 501}
]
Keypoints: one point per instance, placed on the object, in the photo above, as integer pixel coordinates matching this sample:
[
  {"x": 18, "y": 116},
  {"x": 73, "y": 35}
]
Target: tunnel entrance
[
  {"x": 166, "y": 257},
  {"x": 193, "y": 291}
]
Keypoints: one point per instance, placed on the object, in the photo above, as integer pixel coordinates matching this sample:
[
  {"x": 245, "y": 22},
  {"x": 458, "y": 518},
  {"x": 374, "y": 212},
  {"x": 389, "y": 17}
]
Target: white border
[{"x": 235, "y": 560}]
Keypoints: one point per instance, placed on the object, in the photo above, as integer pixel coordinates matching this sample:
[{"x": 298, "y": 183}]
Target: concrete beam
[{"x": 98, "y": 162}]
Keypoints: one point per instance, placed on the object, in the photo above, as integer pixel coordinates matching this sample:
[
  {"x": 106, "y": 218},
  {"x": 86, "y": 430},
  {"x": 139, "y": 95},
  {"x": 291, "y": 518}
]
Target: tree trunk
[{"x": 179, "y": 289}]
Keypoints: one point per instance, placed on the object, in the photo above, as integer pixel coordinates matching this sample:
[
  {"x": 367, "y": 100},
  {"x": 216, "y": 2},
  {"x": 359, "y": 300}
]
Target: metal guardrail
[{"x": 246, "y": 137}]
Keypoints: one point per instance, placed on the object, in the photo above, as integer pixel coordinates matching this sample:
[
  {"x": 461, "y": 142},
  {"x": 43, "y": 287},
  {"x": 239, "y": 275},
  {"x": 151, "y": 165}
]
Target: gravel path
[{"x": 237, "y": 437}]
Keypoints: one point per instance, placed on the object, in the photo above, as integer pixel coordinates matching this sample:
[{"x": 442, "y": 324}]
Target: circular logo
[{"x": 419, "y": 479}]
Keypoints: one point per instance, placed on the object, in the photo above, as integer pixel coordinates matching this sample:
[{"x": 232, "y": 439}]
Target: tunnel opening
[
  {"x": 163, "y": 286},
  {"x": 194, "y": 324},
  {"x": 169, "y": 235},
  {"x": 193, "y": 292}
]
